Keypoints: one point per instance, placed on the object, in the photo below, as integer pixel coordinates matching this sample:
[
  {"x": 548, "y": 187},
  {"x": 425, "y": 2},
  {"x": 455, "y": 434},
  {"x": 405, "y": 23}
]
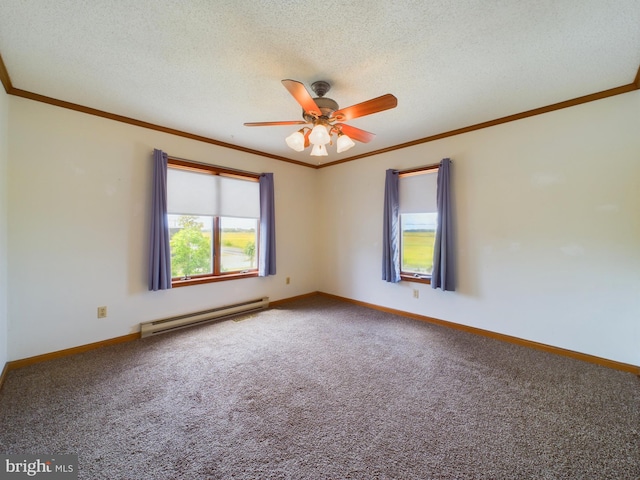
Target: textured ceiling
[{"x": 206, "y": 67}]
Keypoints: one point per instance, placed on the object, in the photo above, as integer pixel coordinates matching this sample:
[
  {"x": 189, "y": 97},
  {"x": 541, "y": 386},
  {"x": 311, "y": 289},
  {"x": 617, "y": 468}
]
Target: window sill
[
  {"x": 220, "y": 278},
  {"x": 406, "y": 277}
]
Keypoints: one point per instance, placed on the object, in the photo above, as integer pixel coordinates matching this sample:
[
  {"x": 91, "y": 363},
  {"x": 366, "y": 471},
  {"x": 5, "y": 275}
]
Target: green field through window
[{"x": 417, "y": 251}]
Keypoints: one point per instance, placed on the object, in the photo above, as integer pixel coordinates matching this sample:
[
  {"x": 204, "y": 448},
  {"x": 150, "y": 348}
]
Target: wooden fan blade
[
  {"x": 375, "y": 105},
  {"x": 271, "y": 124},
  {"x": 300, "y": 93},
  {"x": 356, "y": 133}
]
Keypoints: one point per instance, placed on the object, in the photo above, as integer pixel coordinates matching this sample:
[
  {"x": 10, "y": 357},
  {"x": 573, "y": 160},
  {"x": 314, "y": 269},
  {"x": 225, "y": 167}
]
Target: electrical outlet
[
  {"x": 416, "y": 293},
  {"x": 288, "y": 280},
  {"x": 102, "y": 312}
]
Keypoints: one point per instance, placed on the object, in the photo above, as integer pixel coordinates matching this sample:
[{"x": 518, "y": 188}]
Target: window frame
[
  {"x": 407, "y": 276},
  {"x": 216, "y": 275}
]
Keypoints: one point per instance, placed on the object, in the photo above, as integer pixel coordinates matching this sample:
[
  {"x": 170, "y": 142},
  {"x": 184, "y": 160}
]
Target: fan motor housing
[{"x": 326, "y": 105}]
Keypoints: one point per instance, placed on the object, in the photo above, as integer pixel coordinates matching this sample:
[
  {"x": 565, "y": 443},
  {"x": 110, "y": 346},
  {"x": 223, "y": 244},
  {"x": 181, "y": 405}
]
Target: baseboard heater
[{"x": 196, "y": 318}]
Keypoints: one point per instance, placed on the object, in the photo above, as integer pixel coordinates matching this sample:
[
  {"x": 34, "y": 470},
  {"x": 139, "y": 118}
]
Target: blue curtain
[
  {"x": 159, "y": 249},
  {"x": 267, "y": 248},
  {"x": 443, "y": 275},
  {"x": 390, "y": 233}
]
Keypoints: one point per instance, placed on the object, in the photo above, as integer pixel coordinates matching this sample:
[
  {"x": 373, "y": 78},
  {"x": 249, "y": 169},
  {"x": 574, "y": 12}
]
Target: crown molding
[
  {"x": 4, "y": 77},
  {"x": 498, "y": 121},
  {"x": 11, "y": 90}
]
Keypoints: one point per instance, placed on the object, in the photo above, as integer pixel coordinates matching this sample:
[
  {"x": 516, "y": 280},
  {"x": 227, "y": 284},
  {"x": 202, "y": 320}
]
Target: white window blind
[
  {"x": 418, "y": 193},
  {"x": 193, "y": 193}
]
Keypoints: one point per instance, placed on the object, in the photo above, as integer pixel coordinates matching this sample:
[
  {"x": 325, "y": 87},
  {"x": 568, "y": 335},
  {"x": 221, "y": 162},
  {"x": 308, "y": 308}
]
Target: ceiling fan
[{"x": 325, "y": 118}]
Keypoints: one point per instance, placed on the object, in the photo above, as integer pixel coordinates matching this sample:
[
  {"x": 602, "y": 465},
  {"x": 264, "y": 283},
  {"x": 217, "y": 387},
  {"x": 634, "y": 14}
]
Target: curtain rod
[
  {"x": 409, "y": 171},
  {"x": 226, "y": 169}
]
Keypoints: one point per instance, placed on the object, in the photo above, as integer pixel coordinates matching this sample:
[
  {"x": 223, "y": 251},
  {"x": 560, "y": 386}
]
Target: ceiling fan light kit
[
  {"x": 296, "y": 140},
  {"x": 344, "y": 143},
  {"x": 324, "y": 116},
  {"x": 319, "y": 135},
  {"x": 319, "y": 150}
]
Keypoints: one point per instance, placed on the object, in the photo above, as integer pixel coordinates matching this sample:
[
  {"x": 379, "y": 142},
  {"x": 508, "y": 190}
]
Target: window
[
  {"x": 418, "y": 220},
  {"x": 214, "y": 218}
]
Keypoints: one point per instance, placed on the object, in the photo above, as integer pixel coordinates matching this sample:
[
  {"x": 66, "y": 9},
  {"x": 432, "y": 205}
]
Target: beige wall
[
  {"x": 78, "y": 229},
  {"x": 4, "y": 159},
  {"x": 547, "y": 216}
]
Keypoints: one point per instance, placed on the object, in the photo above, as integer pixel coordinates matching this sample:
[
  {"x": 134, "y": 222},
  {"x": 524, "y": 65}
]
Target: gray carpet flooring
[{"x": 323, "y": 389}]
